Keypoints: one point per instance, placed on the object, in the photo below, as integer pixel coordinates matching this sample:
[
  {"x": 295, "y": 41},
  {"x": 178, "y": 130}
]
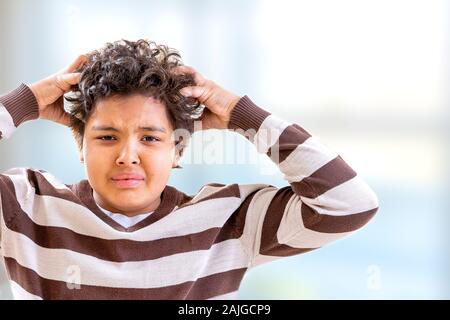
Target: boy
[{"x": 123, "y": 233}]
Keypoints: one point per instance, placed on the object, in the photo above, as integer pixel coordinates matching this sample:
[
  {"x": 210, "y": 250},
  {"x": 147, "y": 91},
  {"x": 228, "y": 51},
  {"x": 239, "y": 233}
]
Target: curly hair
[{"x": 126, "y": 67}]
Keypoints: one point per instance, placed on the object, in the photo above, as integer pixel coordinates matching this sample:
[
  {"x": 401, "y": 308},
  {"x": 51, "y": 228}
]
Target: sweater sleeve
[
  {"x": 324, "y": 200},
  {"x": 16, "y": 107}
]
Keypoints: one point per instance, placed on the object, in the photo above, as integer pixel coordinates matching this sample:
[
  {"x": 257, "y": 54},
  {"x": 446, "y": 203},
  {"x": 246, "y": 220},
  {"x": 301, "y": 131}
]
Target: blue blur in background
[{"x": 370, "y": 79}]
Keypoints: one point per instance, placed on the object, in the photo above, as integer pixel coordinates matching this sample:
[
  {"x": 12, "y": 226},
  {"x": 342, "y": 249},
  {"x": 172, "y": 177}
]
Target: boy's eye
[
  {"x": 151, "y": 139},
  {"x": 106, "y": 138},
  {"x": 146, "y": 138}
]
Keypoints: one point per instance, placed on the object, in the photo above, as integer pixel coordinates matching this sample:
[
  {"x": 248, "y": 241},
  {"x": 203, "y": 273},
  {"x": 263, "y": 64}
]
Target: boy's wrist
[
  {"x": 33, "y": 88},
  {"x": 21, "y": 104},
  {"x": 246, "y": 115}
]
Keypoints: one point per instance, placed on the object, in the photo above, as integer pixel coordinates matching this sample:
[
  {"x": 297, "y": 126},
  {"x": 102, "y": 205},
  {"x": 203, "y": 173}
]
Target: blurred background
[{"x": 370, "y": 79}]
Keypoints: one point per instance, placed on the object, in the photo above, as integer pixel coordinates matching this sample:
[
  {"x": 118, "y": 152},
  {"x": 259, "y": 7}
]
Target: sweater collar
[{"x": 169, "y": 200}]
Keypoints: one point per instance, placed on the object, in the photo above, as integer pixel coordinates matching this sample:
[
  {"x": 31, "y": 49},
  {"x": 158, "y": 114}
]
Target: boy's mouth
[
  {"x": 128, "y": 183},
  {"x": 128, "y": 180}
]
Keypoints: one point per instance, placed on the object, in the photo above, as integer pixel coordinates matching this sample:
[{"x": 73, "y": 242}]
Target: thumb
[
  {"x": 65, "y": 119},
  {"x": 194, "y": 92}
]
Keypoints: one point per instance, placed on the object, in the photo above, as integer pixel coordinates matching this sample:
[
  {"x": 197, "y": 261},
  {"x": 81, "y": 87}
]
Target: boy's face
[{"x": 128, "y": 134}]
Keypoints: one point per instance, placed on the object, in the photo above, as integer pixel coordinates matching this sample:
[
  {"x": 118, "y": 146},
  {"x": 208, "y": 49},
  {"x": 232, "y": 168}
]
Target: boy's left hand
[{"x": 218, "y": 102}]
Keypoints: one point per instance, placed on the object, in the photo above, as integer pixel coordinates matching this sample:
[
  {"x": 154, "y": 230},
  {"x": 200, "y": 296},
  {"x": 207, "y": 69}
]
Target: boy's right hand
[{"x": 49, "y": 92}]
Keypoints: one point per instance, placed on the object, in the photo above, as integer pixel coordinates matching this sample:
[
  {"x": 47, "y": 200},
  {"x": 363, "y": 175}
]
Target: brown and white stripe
[
  {"x": 326, "y": 200},
  {"x": 191, "y": 247}
]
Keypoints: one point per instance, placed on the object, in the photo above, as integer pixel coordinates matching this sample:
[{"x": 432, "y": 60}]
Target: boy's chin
[{"x": 131, "y": 208}]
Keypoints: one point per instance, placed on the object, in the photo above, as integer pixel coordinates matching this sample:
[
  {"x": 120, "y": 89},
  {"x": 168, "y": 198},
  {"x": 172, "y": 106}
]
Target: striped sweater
[{"x": 56, "y": 243}]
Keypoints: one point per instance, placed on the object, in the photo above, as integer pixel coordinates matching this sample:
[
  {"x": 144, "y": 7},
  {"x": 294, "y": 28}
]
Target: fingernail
[{"x": 185, "y": 92}]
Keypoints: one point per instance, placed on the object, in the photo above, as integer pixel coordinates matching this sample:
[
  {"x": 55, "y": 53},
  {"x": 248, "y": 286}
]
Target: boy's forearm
[{"x": 311, "y": 168}]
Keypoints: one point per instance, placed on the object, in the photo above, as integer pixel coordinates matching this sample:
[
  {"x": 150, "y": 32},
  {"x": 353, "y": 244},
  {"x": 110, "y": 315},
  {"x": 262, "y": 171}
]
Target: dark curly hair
[{"x": 126, "y": 67}]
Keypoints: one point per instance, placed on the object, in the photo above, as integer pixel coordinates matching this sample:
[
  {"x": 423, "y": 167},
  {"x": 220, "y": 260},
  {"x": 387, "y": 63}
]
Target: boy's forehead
[
  {"x": 136, "y": 110},
  {"x": 135, "y": 102}
]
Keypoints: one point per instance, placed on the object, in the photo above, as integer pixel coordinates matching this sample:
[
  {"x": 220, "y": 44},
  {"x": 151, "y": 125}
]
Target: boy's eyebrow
[{"x": 146, "y": 128}]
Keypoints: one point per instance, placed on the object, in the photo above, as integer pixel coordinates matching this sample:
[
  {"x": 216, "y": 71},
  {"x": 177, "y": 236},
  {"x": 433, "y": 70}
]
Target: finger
[
  {"x": 194, "y": 92},
  {"x": 183, "y": 69},
  {"x": 198, "y": 78},
  {"x": 78, "y": 62},
  {"x": 72, "y": 78},
  {"x": 66, "y": 81}
]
